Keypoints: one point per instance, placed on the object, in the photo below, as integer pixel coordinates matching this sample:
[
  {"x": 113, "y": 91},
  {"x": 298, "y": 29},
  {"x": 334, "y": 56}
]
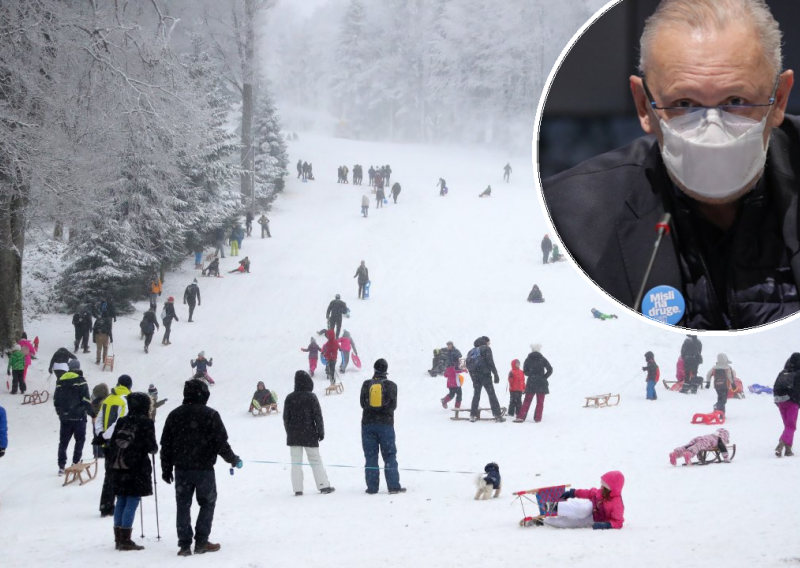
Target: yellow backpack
[{"x": 376, "y": 398}]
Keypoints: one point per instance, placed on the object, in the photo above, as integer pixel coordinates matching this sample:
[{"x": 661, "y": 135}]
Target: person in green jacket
[{"x": 16, "y": 369}]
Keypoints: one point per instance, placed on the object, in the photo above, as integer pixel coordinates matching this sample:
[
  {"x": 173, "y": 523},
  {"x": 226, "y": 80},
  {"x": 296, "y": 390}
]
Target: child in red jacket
[
  {"x": 453, "y": 387},
  {"x": 599, "y": 508},
  {"x": 516, "y": 385}
]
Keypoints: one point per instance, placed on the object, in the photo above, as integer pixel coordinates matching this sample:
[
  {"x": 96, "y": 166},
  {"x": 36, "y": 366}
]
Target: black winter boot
[{"x": 125, "y": 542}]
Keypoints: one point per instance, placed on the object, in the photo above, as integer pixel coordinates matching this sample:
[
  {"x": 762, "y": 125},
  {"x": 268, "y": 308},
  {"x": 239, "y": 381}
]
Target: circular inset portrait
[{"x": 669, "y": 158}]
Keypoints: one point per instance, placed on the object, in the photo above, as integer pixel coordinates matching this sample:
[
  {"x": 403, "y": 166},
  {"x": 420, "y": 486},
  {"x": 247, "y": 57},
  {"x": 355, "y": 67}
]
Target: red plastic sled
[
  {"x": 356, "y": 360},
  {"x": 737, "y": 391},
  {"x": 716, "y": 417}
]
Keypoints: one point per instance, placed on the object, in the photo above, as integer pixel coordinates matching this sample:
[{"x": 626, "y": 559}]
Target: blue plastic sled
[
  {"x": 366, "y": 289},
  {"x": 322, "y": 359},
  {"x": 759, "y": 389}
]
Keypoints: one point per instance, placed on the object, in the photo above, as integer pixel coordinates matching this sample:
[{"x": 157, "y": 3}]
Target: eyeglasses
[{"x": 741, "y": 109}]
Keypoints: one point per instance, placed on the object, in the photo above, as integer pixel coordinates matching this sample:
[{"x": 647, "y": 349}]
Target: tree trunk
[
  {"x": 58, "y": 231},
  {"x": 12, "y": 242},
  {"x": 248, "y": 94}
]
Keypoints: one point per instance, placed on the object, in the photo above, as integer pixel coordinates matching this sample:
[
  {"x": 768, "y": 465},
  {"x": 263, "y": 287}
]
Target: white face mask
[{"x": 714, "y": 153}]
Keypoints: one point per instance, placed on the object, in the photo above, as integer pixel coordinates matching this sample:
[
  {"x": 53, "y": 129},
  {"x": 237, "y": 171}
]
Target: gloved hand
[
  {"x": 167, "y": 477},
  {"x": 211, "y": 361},
  {"x": 2, "y": 452},
  {"x": 497, "y": 379},
  {"x": 238, "y": 464},
  {"x": 98, "y": 440},
  {"x": 601, "y": 526},
  {"x": 569, "y": 494},
  {"x": 321, "y": 437}
]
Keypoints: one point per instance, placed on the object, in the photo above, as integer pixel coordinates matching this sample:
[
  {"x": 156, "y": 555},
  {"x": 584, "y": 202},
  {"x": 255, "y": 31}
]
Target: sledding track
[{"x": 443, "y": 269}]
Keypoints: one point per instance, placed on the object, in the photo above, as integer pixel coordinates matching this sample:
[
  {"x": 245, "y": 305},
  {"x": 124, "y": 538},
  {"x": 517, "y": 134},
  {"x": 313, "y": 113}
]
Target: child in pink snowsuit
[
  {"x": 453, "y": 386},
  {"x": 600, "y": 508},
  {"x": 720, "y": 439}
]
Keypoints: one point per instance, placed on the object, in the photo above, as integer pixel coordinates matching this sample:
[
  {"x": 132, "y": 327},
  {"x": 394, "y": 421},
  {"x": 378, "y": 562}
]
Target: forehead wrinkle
[{"x": 708, "y": 59}]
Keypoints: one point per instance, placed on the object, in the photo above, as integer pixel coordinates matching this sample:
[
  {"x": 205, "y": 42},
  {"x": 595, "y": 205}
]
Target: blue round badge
[{"x": 664, "y": 304}]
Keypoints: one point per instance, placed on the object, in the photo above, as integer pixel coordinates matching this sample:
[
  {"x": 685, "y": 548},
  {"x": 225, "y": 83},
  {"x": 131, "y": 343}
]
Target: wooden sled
[
  {"x": 601, "y": 400},
  {"x": 109, "y": 362},
  {"x": 263, "y": 410},
  {"x": 467, "y": 410},
  {"x": 76, "y": 472},
  {"x": 336, "y": 388},
  {"x": 716, "y": 417},
  {"x": 547, "y": 499},
  {"x": 713, "y": 455},
  {"x": 36, "y": 397}
]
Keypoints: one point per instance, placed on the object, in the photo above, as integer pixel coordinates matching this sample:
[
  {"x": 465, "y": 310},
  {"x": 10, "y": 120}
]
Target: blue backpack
[{"x": 474, "y": 361}]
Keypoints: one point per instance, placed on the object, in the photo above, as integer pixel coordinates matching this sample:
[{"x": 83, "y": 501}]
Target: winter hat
[
  {"x": 490, "y": 467},
  {"x": 313, "y": 340},
  {"x": 73, "y": 364},
  {"x": 536, "y": 347},
  {"x": 260, "y": 384},
  {"x": 485, "y": 340},
  {"x": 139, "y": 404},
  {"x": 194, "y": 281},
  {"x": 195, "y": 391},
  {"x": 125, "y": 381},
  {"x": 649, "y": 356},
  {"x": 381, "y": 366},
  {"x": 449, "y": 344},
  {"x": 338, "y": 297},
  {"x": 201, "y": 354},
  {"x": 171, "y": 299},
  {"x": 152, "y": 390},
  {"x": 346, "y": 333},
  {"x": 24, "y": 335},
  {"x": 793, "y": 364},
  {"x": 723, "y": 360},
  {"x": 724, "y": 435}
]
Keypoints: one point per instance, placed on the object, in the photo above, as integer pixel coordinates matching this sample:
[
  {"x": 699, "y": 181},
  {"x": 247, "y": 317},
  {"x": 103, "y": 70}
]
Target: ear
[
  {"x": 643, "y": 109},
  {"x": 782, "y": 97}
]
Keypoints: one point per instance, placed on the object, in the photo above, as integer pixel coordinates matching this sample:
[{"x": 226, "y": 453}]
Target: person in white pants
[
  {"x": 305, "y": 429},
  {"x": 573, "y": 514}
]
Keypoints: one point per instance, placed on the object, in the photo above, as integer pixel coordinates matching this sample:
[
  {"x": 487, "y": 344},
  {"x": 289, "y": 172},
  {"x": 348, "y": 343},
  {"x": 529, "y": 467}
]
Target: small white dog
[{"x": 489, "y": 486}]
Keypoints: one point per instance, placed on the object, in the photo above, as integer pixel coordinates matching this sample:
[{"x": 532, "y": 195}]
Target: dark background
[{"x": 589, "y": 109}]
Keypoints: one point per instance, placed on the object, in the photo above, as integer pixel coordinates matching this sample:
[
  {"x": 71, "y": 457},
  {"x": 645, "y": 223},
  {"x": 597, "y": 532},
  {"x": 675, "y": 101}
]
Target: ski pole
[
  {"x": 141, "y": 515},
  {"x": 155, "y": 492}
]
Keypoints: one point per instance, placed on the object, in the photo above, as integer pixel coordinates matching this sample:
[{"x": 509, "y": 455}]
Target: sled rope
[{"x": 365, "y": 467}]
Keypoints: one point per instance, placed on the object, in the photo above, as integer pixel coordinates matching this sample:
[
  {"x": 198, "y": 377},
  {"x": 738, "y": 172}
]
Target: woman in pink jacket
[{"x": 599, "y": 508}]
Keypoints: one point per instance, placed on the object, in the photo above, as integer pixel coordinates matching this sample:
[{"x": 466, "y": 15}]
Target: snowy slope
[{"x": 443, "y": 269}]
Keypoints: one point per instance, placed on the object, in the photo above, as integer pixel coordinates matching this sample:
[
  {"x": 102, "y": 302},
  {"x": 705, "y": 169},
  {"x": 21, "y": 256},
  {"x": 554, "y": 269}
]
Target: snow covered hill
[{"x": 442, "y": 269}]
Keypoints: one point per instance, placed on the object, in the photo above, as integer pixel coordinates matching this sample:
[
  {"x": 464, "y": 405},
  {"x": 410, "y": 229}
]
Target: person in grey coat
[{"x": 302, "y": 419}]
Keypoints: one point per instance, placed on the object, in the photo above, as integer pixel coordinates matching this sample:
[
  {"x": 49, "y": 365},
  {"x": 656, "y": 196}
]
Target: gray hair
[{"x": 705, "y": 15}]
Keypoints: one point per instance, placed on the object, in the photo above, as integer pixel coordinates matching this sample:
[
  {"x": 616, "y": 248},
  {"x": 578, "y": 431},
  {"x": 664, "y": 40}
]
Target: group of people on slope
[
  {"x": 305, "y": 171},
  {"x": 481, "y": 368},
  {"x": 549, "y": 248}
]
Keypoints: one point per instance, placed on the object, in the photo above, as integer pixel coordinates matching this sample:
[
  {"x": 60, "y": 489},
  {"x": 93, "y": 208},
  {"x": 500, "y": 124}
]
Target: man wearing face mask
[{"x": 721, "y": 156}]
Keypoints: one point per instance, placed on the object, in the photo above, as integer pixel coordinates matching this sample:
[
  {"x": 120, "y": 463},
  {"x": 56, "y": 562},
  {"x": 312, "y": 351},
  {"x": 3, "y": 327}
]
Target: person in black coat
[
  {"x": 302, "y": 419},
  {"x": 547, "y": 247},
  {"x": 72, "y": 403},
  {"x": 362, "y": 273},
  {"x": 191, "y": 296},
  {"x": 59, "y": 363},
  {"x": 481, "y": 374},
  {"x": 148, "y": 325},
  {"x": 537, "y": 369},
  {"x": 82, "y": 322},
  {"x": 535, "y": 296},
  {"x": 128, "y": 456},
  {"x": 395, "y": 190},
  {"x": 167, "y": 316},
  {"x": 193, "y": 437},
  {"x": 378, "y": 400},
  {"x": 692, "y": 354},
  {"x": 336, "y": 309}
]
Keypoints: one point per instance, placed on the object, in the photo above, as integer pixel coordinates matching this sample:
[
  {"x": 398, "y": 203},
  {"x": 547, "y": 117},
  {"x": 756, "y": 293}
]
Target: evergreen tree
[
  {"x": 209, "y": 168},
  {"x": 271, "y": 158}
]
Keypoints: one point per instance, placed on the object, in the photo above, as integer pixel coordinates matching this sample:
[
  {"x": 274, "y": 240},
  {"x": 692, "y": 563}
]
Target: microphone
[{"x": 662, "y": 228}]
